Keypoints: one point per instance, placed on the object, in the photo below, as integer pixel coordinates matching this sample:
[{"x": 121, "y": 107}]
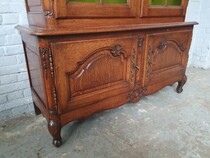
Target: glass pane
[
  {"x": 116, "y": 1},
  {"x": 174, "y": 2},
  {"x": 84, "y": 1},
  {"x": 156, "y": 2}
]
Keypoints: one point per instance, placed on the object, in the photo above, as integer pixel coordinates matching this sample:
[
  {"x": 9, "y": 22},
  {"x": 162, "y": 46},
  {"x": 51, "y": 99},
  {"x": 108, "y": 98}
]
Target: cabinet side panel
[
  {"x": 34, "y": 66},
  {"x": 35, "y": 13},
  {"x": 36, "y": 19}
]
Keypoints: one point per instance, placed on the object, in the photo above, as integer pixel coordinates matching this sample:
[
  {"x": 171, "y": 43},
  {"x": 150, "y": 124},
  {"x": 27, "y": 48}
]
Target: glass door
[
  {"x": 165, "y": 2},
  {"x": 163, "y": 8},
  {"x": 102, "y": 1},
  {"x": 95, "y": 8}
]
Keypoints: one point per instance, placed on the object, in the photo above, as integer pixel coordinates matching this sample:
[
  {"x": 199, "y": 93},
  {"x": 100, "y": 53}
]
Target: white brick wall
[
  {"x": 15, "y": 96},
  {"x": 199, "y": 10}
]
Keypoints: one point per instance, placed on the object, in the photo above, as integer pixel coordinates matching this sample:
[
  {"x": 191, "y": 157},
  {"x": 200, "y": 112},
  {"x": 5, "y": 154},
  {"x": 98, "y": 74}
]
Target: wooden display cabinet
[{"x": 86, "y": 56}]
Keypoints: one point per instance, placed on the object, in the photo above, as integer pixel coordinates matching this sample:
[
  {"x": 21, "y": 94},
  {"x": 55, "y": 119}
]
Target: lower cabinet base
[
  {"x": 73, "y": 76},
  {"x": 56, "y": 121}
]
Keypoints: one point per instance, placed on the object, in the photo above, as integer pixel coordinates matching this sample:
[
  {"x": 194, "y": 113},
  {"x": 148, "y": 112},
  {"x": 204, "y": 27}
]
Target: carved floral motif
[
  {"x": 43, "y": 53},
  {"x": 51, "y": 64},
  {"x": 52, "y": 75},
  {"x": 148, "y": 66},
  {"x": 140, "y": 42},
  {"x": 117, "y": 50},
  {"x": 136, "y": 94},
  {"x": 164, "y": 44},
  {"x": 49, "y": 13}
]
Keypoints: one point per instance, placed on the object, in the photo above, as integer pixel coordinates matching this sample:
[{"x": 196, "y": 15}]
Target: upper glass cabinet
[
  {"x": 165, "y": 2},
  {"x": 163, "y": 8},
  {"x": 95, "y": 8}
]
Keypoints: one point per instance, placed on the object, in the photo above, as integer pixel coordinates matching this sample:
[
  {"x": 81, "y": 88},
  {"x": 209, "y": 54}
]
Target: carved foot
[
  {"x": 181, "y": 83},
  {"x": 36, "y": 109},
  {"x": 55, "y": 130},
  {"x": 57, "y": 142}
]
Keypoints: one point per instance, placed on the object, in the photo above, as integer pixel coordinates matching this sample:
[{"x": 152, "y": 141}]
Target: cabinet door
[
  {"x": 88, "y": 71},
  {"x": 95, "y": 8},
  {"x": 166, "y": 58},
  {"x": 163, "y": 8}
]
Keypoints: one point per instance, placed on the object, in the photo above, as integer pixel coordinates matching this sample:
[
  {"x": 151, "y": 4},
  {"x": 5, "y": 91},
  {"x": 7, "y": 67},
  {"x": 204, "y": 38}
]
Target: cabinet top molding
[{"x": 68, "y": 31}]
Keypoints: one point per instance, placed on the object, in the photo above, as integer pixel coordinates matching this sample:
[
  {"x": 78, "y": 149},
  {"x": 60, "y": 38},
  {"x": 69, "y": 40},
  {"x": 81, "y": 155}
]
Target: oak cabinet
[{"x": 86, "y": 56}]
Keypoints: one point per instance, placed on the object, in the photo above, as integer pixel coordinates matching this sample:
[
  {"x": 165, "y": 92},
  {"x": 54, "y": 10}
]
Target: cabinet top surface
[{"x": 37, "y": 31}]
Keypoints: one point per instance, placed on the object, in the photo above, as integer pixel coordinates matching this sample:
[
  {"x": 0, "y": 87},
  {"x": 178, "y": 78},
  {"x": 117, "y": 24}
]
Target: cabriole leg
[
  {"x": 54, "y": 128},
  {"x": 181, "y": 83}
]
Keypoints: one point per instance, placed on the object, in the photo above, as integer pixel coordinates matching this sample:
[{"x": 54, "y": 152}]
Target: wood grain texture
[
  {"x": 37, "y": 31},
  {"x": 60, "y": 14},
  {"x": 87, "y": 58}
]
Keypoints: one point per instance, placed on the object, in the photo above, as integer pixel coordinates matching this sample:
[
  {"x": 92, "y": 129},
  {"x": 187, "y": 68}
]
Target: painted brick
[
  {"x": 8, "y": 60},
  {"x": 10, "y": 18},
  {"x": 12, "y": 1},
  {"x": 14, "y": 87},
  {"x": 3, "y": 99},
  {"x": 2, "y": 40},
  {"x": 14, "y": 84},
  {"x": 0, "y": 19},
  {"x": 27, "y": 92},
  {"x": 15, "y": 95},
  {"x": 8, "y": 30},
  {"x": 7, "y": 79},
  {"x": 13, "y": 39},
  {"x": 13, "y": 69},
  {"x": 11, "y": 7},
  {"x": 5, "y": 114},
  {"x": 15, "y": 49},
  {"x": 2, "y": 51},
  {"x": 31, "y": 107},
  {"x": 20, "y": 58},
  {"x": 2, "y": 107},
  {"x": 20, "y": 110},
  {"x": 22, "y": 76},
  {"x": 23, "y": 18},
  {"x": 18, "y": 103}
]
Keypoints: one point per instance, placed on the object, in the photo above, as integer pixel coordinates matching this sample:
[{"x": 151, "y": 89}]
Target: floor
[{"x": 163, "y": 125}]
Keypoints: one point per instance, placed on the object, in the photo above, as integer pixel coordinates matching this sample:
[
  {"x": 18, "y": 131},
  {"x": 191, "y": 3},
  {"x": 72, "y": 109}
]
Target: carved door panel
[
  {"x": 88, "y": 71},
  {"x": 166, "y": 58}
]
